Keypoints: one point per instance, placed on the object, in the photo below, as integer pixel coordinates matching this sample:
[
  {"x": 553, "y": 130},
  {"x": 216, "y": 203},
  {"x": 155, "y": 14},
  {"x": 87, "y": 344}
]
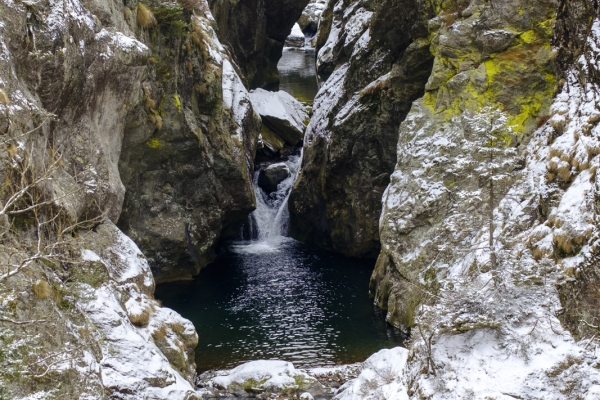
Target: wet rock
[
  {"x": 282, "y": 113},
  {"x": 311, "y": 15},
  {"x": 273, "y": 175},
  {"x": 271, "y": 140},
  {"x": 188, "y": 174}
]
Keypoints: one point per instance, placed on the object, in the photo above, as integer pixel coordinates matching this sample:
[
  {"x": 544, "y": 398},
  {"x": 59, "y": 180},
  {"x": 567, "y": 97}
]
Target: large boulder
[
  {"x": 263, "y": 376},
  {"x": 273, "y": 175},
  {"x": 271, "y": 140},
  {"x": 282, "y": 113},
  {"x": 309, "y": 20}
]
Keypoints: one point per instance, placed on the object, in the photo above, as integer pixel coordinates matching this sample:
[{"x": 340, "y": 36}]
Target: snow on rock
[
  {"x": 147, "y": 350},
  {"x": 124, "y": 260},
  {"x": 356, "y": 25},
  {"x": 478, "y": 365},
  {"x": 296, "y": 32},
  {"x": 295, "y": 38},
  {"x": 311, "y": 15},
  {"x": 118, "y": 41},
  {"x": 519, "y": 330},
  {"x": 327, "y": 98},
  {"x": 236, "y": 98},
  {"x": 380, "y": 377},
  {"x": 282, "y": 113},
  {"x": 325, "y": 55},
  {"x": 266, "y": 375}
]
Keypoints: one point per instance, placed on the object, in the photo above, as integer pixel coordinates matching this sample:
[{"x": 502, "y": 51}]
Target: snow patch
[{"x": 381, "y": 377}]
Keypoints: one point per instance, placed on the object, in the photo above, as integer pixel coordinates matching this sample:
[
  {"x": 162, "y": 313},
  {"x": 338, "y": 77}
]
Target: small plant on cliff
[
  {"x": 495, "y": 157},
  {"x": 145, "y": 17},
  {"x": 29, "y": 204}
]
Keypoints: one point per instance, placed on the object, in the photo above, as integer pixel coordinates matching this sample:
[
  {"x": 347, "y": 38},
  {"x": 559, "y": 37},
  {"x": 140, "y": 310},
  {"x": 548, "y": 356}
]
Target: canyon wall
[
  {"x": 488, "y": 227},
  {"x": 188, "y": 147},
  {"x": 487, "y": 61},
  {"x": 378, "y": 56}
]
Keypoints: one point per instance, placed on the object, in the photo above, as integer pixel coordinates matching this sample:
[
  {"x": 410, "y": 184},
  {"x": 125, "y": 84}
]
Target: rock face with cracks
[
  {"x": 131, "y": 114},
  {"x": 189, "y": 147},
  {"x": 378, "y": 66},
  {"x": 439, "y": 196},
  {"x": 489, "y": 259}
]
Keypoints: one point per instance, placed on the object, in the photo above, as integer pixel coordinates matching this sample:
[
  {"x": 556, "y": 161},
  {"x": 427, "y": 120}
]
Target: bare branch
[{"x": 12, "y": 321}]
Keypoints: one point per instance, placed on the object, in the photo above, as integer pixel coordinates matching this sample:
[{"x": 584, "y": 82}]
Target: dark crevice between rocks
[{"x": 255, "y": 31}]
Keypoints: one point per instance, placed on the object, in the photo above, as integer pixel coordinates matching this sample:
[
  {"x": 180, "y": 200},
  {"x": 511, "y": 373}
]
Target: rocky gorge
[{"x": 455, "y": 142}]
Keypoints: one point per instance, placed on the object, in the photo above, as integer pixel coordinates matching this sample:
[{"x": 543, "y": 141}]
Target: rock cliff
[
  {"x": 489, "y": 62},
  {"x": 131, "y": 113},
  {"x": 378, "y": 57},
  {"x": 188, "y": 147},
  {"x": 489, "y": 224}
]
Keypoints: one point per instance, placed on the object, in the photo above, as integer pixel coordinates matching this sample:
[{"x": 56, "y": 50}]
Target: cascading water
[
  {"x": 268, "y": 224},
  {"x": 272, "y": 297}
]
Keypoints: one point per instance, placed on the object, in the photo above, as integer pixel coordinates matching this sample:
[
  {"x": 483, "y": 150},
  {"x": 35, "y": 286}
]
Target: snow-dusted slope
[
  {"x": 515, "y": 319},
  {"x": 147, "y": 351},
  {"x": 77, "y": 314}
]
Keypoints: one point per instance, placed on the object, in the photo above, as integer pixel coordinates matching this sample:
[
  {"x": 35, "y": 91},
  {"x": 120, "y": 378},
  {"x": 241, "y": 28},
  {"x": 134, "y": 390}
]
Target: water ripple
[{"x": 298, "y": 304}]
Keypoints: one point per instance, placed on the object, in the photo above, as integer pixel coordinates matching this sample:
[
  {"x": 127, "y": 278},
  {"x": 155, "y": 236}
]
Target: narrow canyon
[{"x": 299, "y": 199}]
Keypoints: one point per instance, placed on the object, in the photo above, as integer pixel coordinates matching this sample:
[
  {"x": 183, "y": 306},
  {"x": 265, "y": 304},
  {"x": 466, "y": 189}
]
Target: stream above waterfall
[{"x": 297, "y": 74}]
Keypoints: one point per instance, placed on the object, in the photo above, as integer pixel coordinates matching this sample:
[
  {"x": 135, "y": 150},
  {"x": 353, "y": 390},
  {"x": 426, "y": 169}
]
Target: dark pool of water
[
  {"x": 289, "y": 302},
  {"x": 297, "y": 74}
]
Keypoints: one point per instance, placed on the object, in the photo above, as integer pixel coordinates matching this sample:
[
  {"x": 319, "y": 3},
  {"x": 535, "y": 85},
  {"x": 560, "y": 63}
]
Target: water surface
[
  {"x": 283, "y": 300},
  {"x": 297, "y": 73}
]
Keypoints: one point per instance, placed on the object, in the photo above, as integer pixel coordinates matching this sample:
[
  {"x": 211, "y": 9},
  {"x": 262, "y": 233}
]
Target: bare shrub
[
  {"x": 42, "y": 290},
  {"x": 4, "y": 98}
]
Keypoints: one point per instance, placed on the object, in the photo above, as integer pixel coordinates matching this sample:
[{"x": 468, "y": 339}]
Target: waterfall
[{"x": 268, "y": 224}]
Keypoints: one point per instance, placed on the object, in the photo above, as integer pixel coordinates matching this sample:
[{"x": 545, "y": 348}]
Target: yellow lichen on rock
[{"x": 154, "y": 143}]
